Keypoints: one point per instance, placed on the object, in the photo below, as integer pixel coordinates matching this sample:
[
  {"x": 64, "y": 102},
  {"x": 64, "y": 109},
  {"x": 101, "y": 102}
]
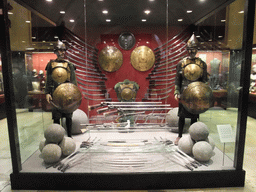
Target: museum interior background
[{"x": 36, "y": 28}]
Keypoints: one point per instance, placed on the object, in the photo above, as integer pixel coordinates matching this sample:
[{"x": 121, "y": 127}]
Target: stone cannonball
[
  {"x": 211, "y": 142},
  {"x": 54, "y": 133},
  {"x": 185, "y": 144},
  {"x": 172, "y": 117},
  {"x": 51, "y": 153},
  {"x": 67, "y": 146},
  {"x": 67, "y": 97},
  {"x": 198, "y": 131},
  {"x": 79, "y": 117},
  {"x": 202, "y": 151},
  {"x": 42, "y": 144},
  {"x": 197, "y": 97}
]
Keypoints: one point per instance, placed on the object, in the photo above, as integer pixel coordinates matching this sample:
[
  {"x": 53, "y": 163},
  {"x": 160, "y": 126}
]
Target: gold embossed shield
[
  {"x": 110, "y": 59},
  {"x": 142, "y": 58}
]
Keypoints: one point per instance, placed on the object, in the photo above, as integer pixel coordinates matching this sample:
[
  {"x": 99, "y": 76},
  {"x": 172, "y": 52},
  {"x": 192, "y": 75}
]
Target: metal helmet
[
  {"x": 60, "y": 46},
  {"x": 192, "y": 42},
  {"x": 197, "y": 97},
  {"x": 67, "y": 97}
]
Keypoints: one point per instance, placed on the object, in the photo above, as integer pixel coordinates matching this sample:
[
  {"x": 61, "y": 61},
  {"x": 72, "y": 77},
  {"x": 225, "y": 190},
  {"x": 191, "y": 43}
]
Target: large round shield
[
  {"x": 110, "y": 59},
  {"x": 142, "y": 58},
  {"x": 197, "y": 97},
  {"x": 67, "y": 97}
]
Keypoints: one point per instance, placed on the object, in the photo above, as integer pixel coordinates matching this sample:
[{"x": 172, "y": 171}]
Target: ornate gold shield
[
  {"x": 110, "y": 59},
  {"x": 67, "y": 97},
  {"x": 197, "y": 97},
  {"x": 142, "y": 58}
]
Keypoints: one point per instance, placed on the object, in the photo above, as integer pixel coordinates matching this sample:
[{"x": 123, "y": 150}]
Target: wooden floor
[{"x": 31, "y": 133}]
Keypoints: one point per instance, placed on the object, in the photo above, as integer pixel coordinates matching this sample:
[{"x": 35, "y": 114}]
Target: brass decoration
[
  {"x": 192, "y": 69},
  {"x": 67, "y": 97},
  {"x": 197, "y": 97},
  {"x": 142, "y": 58},
  {"x": 61, "y": 72},
  {"x": 127, "y": 92},
  {"x": 110, "y": 59}
]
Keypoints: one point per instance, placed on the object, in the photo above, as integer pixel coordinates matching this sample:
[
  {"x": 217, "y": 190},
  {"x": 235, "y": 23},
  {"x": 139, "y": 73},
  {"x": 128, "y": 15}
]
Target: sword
[
  {"x": 154, "y": 73},
  {"x": 96, "y": 99},
  {"x": 83, "y": 51},
  {"x": 78, "y": 39},
  {"x": 89, "y": 85},
  {"x": 172, "y": 58},
  {"x": 75, "y": 57},
  {"x": 90, "y": 81},
  {"x": 157, "y": 65},
  {"x": 156, "y": 94},
  {"x": 100, "y": 90},
  {"x": 94, "y": 95},
  {"x": 89, "y": 72},
  {"x": 169, "y": 54},
  {"x": 155, "y": 99},
  {"x": 96, "y": 77},
  {"x": 152, "y": 77},
  {"x": 155, "y": 80},
  {"x": 154, "y": 90},
  {"x": 156, "y": 69},
  {"x": 160, "y": 84}
]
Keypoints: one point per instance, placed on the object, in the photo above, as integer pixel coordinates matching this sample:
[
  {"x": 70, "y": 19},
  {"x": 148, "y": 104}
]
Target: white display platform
[{"x": 127, "y": 151}]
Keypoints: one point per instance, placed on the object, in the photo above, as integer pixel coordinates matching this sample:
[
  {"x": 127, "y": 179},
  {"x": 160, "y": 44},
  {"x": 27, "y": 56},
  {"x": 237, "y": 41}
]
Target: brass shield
[
  {"x": 61, "y": 72},
  {"x": 67, "y": 97},
  {"x": 142, "y": 58},
  {"x": 110, "y": 59},
  {"x": 197, "y": 97},
  {"x": 127, "y": 92}
]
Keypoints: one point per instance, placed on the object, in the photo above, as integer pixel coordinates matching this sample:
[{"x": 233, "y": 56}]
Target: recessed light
[
  {"x": 223, "y": 20},
  {"x": 241, "y": 12},
  {"x": 210, "y": 40},
  {"x": 10, "y": 13},
  {"x": 33, "y": 37},
  {"x": 56, "y": 37},
  {"x": 105, "y": 12},
  {"x": 147, "y": 11},
  {"x": 197, "y": 36},
  {"x": 49, "y": 0},
  {"x": 189, "y": 11},
  {"x": 23, "y": 41},
  {"x": 202, "y": 0},
  {"x": 143, "y": 20},
  {"x": 180, "y": 20},
  {"x": 108, "y": 20},
  {"x": 71, "y": 20},
  {"x": 27, "y": 21},
  {"x": 62, "y": 12},
  {"x": 151, "y": 0},
  {"x": 220, "y": 36}
]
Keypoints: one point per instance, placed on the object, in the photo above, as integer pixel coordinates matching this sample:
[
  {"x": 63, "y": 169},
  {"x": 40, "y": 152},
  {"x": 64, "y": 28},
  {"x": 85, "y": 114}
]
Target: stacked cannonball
[
  {"x": 198, "y": 143},
  {"x": 56, "y": 144}
]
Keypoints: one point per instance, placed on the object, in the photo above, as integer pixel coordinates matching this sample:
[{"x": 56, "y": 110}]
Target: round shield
[
  {"x": 128, "y": 94},
  {"x": 142, "y": 58},
  {"x": 110, "y": 59},
  {"x": 67, "y": 97},
  {"x": 197, "y": 97},
  {"x": 59, "y": 74},
  {"x": 193, "y": 72},
  {"x": 126, "y": 40}
]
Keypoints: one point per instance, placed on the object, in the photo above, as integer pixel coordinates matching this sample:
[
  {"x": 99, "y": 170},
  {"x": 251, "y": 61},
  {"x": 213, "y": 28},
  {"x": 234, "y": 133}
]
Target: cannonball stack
[
  {"x": 55, "y": 144},
  {"x": 198, "y": 143}
]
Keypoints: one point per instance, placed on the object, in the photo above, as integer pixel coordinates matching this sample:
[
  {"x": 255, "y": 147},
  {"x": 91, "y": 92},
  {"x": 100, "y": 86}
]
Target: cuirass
[
  {"x": 192, "y": 69},
  {"x": 60, "y": 72}
]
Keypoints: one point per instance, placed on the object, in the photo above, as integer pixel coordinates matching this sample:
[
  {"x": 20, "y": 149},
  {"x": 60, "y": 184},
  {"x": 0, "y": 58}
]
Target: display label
[{"x": 225, "y": 133}]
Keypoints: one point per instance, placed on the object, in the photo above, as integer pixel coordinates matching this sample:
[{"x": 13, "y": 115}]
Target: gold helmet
[{"x": 192, "y": 42}]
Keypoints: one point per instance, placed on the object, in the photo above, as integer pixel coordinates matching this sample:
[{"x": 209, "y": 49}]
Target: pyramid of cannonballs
[
  {"x": 198, "y": 143},
  {"x": 56, "y": 144}
]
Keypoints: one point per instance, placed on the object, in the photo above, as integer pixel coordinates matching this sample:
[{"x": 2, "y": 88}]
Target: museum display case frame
[{"x": 128, "y": 181}]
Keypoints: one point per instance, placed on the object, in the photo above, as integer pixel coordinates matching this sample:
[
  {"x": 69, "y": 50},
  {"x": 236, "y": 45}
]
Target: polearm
[
  {"x": 78, "y": 39},
  {"x": 174, "y": 37}
]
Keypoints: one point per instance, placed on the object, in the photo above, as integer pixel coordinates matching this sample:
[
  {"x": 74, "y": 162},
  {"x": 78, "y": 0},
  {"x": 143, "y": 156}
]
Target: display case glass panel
[{"x": 140, "y": 69}]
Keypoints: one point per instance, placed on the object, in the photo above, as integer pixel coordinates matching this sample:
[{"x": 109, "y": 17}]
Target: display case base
[{"x": 137, "y": 181}]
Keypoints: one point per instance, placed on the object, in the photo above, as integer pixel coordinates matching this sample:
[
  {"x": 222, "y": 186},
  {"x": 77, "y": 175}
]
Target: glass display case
[{"x": 153, "y": 96}]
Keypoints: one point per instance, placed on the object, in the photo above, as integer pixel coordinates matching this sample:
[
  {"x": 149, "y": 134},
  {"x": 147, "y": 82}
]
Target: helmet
[
  {"x": 192, "y": 42},
  {"x": 60, "y": 46}
]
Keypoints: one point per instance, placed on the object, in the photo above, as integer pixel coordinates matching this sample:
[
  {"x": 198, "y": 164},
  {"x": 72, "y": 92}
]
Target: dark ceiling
[{"x": 124, "y": 13}]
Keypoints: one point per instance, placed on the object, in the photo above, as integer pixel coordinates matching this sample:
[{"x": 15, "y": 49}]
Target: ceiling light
[
  {"x": 27, "y": 21},
  {"x": 10, "y": 13},
  {"x": 151, "y": 0},
  {"x": 223, "y": 20},
  {"x": 105, "y": 12},
  {"x": 71, "y": 20},
  {"x": 143, "y": 20},
  {"x": 197, "y": 36},
  {"x": 49, "y": 0},
  {"x": 220, "y": 36},
  {"x": 180, "y": 20},
  {"x": 33, "y": 37},
  {"x": 241, "y": 12},
  {"x": 30, "y": 48},
  {"x": 62, "y": 12},
  {"x": 254, "y": 48},
  {"x": 202, "y": 0},
  {"x": 100, "y": 0},
  {"x": 108, "y": 20},
  {"x": 56, "y": 37},
  {"x": 189, "y": 11},
  {"x": 147, "y": 11}
]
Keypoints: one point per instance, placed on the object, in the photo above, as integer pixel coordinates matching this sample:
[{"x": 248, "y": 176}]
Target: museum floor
[{"x": 30, "y": 131}]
